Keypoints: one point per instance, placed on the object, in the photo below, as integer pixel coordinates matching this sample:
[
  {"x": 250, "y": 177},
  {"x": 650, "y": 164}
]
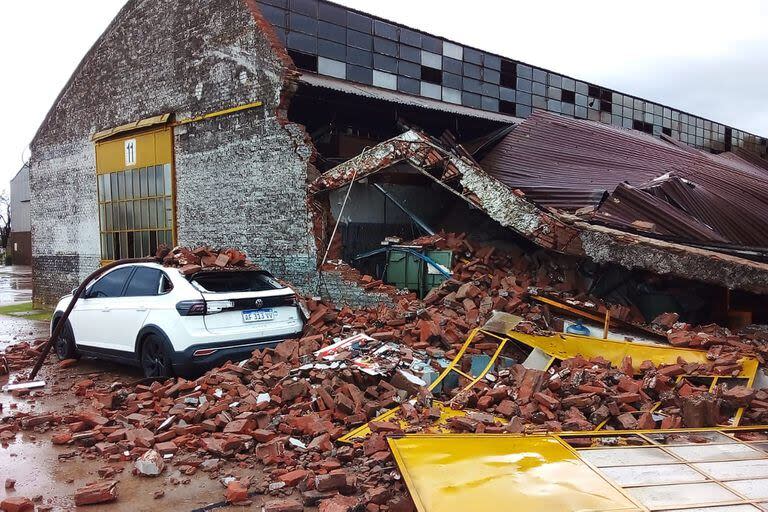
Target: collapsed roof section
[
  {"x": 672, "y": 191},
  {"x": 456, "y": 171}
]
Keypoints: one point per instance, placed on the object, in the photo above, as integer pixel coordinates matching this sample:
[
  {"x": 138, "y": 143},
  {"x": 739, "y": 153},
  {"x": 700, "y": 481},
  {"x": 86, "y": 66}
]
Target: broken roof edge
[
  {"x": 560, "y": 233},
  {"x": 373, "y": 92}
]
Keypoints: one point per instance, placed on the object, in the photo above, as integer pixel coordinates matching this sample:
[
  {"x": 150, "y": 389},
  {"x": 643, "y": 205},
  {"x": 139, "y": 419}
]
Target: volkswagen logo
[{"x": 258, "y": 303}]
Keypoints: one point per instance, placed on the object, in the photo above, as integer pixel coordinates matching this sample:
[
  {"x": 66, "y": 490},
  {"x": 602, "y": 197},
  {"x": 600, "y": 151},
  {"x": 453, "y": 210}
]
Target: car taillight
[
  {"x": 191, "y": 307},
  {"x": 217, "y": 306}
]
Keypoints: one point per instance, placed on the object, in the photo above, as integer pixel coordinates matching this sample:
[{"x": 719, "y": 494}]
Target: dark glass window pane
[
  {"x": 384, "y": 30},
  {"x": 274, "y": 15},
  {"x": 333, "y": 32},
  {"x": 308, "y": 7},
  {"x": 472, "y": 85},
  {"x": 332, "y": 13},
  {"x": 452, "y": 65},
  {"x": 359, "y": 74},
  {"x": 385, "y": 46},
  {"x": 471, "y": 100},
  {"x": 144, "y": 282},
  {"x": 302, "y": 42},
  {"x": 331, "y": 50},
  {"x": 491, "y": 90},
  {"x": 408, "y": 85},
  {"x": 492, "y": 61},
  {"x": 410, "y": 53},
  {"x": 409, "y": 69},
  {"x": 432, "y": 44},
  {"x": 303, "y": 24},
  {"x": 539, "y": 75},
  {"x": 473, "y": 56},
  {"x": 384, "y": 63},
  {"x": 491, "y": 104},
  {"x": 452, "y": 81},
  {"x": 471, "y": 70},
  {"x": 491, "y": 76},
  {"x": 111, "y": 285},
  {"x": 524, "y": 71},
  {"x": 359, "y": 57},
  {"x": 410, "y": 37},
  {"x": 359, "y": 40},
  {"x": 568, "y": 96},
  {"x": 359, "y": 22}
]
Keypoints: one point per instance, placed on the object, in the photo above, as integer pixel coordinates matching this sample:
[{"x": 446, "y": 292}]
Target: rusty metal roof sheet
[{"x": 571, "y": 163}]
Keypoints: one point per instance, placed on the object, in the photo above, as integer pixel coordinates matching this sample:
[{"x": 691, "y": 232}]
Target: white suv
[{"x": 167, "y": 323}]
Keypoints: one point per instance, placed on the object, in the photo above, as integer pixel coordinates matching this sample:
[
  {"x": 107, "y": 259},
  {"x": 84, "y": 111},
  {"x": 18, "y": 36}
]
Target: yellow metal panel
[
  {"x": 152, "y": 148},
  {"x": 500, "y": 473},
  {"x": 564, "y": 346}
]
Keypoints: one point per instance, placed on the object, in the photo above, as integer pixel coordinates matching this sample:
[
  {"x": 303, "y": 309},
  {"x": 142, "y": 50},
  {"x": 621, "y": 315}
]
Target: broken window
[{"x": 134, "y": 179}]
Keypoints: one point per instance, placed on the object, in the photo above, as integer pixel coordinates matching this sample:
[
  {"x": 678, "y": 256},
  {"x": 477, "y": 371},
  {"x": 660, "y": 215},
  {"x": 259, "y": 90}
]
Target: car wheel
[
  {"x": 65, "y": 344},
  {"x": 155, "y": 360}
]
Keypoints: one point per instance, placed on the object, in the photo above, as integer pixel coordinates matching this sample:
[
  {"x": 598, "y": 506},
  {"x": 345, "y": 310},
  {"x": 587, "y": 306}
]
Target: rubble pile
[
  {"x": 191, "y": 261},
  {"x": 680, "y": 334},
  {"x": 581, "y": 394},
  {"x": 19, "y": 355}
]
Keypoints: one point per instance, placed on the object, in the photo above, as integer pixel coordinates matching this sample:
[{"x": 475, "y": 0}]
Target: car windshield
[{"x": 246, "y": 281}]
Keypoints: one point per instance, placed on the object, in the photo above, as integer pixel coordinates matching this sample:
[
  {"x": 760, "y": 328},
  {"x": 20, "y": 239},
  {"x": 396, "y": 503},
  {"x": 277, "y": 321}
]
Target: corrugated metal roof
[
  {"x": 399, "y": 97},
  {"x": 727, "y": 193}
]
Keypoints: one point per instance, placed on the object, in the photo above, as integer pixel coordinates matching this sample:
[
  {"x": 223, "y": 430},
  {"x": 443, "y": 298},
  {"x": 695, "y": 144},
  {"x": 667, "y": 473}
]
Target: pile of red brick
[{"x": 190, "y": 261}]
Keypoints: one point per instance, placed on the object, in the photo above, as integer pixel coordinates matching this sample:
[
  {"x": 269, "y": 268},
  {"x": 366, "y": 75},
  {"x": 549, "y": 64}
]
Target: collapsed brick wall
[{"x": 241, "y": 179}]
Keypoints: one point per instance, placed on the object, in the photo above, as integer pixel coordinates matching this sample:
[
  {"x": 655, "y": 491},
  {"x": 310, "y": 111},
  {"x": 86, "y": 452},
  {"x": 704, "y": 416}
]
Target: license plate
[{"x": 259, "y": 315}]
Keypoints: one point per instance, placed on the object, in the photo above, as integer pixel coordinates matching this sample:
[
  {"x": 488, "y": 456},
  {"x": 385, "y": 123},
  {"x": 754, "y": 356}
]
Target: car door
[
  {"x": 91, "y": 317},
  {"x": 141, "y": 295}
]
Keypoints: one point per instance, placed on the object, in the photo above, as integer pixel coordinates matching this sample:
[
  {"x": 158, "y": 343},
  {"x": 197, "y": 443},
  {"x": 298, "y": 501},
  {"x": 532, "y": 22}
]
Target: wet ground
[
  {"x": 56, "y": 472},
  {"x": 15, "y": 284}
]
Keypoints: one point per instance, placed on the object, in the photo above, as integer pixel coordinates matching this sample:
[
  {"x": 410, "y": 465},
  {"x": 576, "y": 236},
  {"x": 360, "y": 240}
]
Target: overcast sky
[{"x": 705, "y": 57}]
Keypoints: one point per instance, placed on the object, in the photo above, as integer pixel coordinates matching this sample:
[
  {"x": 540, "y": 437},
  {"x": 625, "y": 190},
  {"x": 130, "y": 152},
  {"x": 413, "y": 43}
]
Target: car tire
[
  {"x": 155, "y": 359},
  {"x": 65, "y": 344}
]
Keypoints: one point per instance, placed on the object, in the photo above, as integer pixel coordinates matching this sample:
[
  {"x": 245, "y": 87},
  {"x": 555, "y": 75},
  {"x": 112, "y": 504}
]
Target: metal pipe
[
  {"x": 423, "y": 225},
  {"x": 76, "y": 295}
]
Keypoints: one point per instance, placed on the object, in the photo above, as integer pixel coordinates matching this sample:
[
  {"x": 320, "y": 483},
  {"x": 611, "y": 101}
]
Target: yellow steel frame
[
  {"x": 559, "y": 347},
  {"x": 494, "y": 463}
]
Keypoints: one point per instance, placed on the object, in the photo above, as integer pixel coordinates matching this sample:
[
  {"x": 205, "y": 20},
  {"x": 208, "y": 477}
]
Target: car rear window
[{"x": 221, "y": 282}]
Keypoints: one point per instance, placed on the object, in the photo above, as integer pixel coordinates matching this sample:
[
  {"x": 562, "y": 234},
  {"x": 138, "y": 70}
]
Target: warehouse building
[{"x": 206, "y": 122}]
